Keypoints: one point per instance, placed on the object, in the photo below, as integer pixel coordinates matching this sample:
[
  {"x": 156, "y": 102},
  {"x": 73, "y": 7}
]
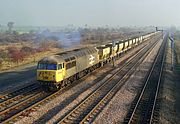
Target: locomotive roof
[
  {"x": 51, "y": 59},
  {"x": 102, "y": 47},
  {"x": 69, "y": 55}
]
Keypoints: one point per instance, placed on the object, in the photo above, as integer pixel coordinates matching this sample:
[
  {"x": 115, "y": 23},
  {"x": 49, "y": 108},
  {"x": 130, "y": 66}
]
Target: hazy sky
[{"x": 91, "y": 12}]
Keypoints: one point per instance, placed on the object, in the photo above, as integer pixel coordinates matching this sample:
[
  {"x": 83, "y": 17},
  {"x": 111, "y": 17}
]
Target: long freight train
[{"x": 58, "y": 71}]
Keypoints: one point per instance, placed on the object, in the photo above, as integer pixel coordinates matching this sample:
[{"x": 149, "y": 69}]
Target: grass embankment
[
  {"x": 177, "y": 73},
  {"x": 170, "y": 106}
]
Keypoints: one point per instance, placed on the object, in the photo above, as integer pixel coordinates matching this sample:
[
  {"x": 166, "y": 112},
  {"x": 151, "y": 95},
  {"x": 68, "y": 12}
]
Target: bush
[
  {"x": 4, "y": 55},
  {"x": 27, "y": 50},
  {"x": 12, "y": 49},
  {"x": 17, "y": 56},
  {"x": 40, "y": 49}
]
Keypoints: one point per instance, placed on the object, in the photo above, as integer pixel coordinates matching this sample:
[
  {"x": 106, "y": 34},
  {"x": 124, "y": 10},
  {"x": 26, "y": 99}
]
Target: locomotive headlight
[{"x": 54, "y": 76}]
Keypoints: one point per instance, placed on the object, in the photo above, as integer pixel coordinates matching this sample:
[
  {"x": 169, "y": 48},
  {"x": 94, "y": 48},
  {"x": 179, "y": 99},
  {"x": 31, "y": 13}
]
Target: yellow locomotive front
[{"x": 50, "y": 72}]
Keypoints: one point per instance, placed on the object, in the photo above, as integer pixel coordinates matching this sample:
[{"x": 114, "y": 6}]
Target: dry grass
[
  {"x": 30, "y": 59},
  {"x": 33, "y": 59},
  {"x": 17, "y": 45}
]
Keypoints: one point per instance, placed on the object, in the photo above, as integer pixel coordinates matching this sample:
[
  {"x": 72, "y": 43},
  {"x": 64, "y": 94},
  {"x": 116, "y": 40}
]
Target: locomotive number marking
[{"x": 91, "y": 59}]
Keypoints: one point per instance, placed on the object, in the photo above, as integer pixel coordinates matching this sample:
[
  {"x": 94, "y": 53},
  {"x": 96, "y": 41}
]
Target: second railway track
[
  {"x": 17, "y": 92},
  {"x": 10, "y": 107},
  {"x": 142, "y": 110}
]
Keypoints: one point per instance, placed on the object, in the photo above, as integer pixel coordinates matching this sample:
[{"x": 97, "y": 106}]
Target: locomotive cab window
[
  {"x": 48, "y": 66},
  {"x": 41, "y": 66},
  {"x": 70, "y": 64},
  {"x": 59, "y": 66},
  {"x": 51, "y": 66}
]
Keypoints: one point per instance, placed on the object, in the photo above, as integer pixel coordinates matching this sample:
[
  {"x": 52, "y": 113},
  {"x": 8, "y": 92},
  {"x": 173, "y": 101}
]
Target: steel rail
[{"x": 86, "y": 101}]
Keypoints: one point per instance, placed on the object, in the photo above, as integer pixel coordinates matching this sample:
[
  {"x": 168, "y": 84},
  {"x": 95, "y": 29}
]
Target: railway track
[
  {"x": 144, "y": 109},
  {"x": 13, "y": 103},
  {"x": 87, "y": 110},
  {"x": 17, "y": 104},
  {"x": 18, "y": 92},
  {"x": 11, "y": 113},
  {"x": 17, "y": 99}
]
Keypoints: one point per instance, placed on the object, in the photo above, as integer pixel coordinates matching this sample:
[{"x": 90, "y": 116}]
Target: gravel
[
  {"x": 117, "y": 108},
  {"x": 54, "y": 109},
  {"x": 13, "y": 87}
]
